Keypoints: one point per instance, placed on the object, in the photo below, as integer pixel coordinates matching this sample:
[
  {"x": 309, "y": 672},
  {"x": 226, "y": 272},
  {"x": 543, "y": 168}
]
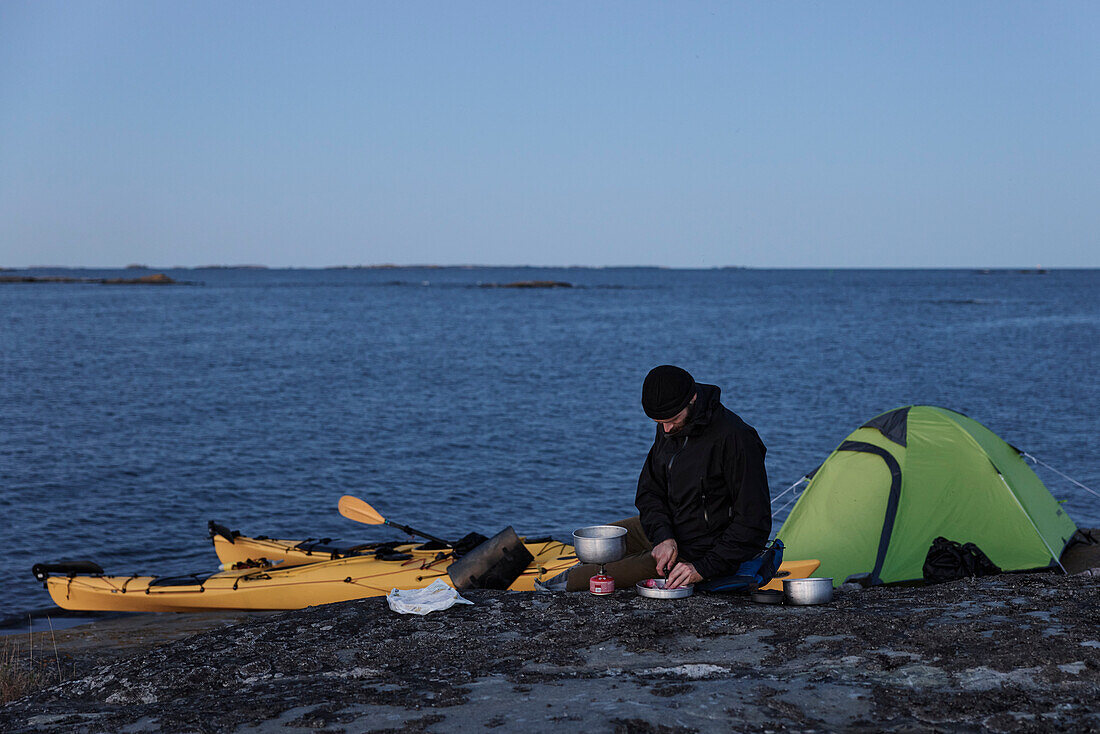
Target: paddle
[{"x": 356, "y": 509}]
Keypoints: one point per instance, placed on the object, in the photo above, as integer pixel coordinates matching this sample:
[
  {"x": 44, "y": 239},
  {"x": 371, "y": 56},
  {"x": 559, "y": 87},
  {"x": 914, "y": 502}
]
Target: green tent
[{"x": 911, "y": 475}]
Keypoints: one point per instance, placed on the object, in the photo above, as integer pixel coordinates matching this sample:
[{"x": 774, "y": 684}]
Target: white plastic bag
[{"x": 421, "y": 601}]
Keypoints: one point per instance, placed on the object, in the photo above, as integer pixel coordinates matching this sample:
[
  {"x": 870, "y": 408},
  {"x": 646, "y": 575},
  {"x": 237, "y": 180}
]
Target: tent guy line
[{"x": 1064, "y": 476}]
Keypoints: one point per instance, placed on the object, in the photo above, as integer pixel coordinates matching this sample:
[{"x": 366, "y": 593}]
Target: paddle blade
[{"x": 356, "y": 509}]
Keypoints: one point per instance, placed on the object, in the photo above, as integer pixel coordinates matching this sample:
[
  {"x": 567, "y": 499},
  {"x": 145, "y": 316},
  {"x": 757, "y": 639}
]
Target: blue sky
[{"x": 678, "y": 134}]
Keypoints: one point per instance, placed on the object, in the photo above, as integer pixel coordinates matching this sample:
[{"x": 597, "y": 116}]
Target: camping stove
[
  {"x": 600, "y": 544},
  {"x": 601, "y": 583}
]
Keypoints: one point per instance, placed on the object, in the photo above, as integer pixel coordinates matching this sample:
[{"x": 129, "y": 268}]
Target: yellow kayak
[
  {"x": 232, "y": 547},
  {"x": 260, "y": 584}
]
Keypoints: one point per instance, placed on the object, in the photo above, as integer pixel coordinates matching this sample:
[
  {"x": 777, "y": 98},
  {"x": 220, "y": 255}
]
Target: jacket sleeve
[
  {"x": 652, "y": 502},
  {"x": 751, "y": 522}
]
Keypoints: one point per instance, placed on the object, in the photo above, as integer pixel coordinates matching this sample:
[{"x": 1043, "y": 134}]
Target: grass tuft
[{"x": 20, "y": 672}]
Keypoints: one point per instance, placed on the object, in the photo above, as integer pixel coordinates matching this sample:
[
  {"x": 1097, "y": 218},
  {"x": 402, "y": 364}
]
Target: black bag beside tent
[{"x": 948, "y": 560}]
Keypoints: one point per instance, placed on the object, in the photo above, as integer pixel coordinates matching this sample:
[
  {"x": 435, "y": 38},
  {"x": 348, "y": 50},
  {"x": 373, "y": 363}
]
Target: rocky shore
[{"x": 1006, "y": 653}]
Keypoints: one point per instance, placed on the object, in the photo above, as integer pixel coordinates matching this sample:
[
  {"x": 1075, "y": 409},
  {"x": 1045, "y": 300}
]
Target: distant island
[
  {"x": 155, "y": 279},
  {"x": 230, "y": 267},
  {"x": 529, "y": 284},
  {"x": 1009, "y": 271}
]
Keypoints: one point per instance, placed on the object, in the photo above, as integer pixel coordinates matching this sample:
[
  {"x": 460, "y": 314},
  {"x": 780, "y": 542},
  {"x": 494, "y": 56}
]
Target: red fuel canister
[{"x": 601, "y": 584}]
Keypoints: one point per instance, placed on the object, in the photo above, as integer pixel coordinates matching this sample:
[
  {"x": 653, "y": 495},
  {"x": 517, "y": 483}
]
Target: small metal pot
[
  {"x": 808, "y": 591},
  {"x": 599, "y": 543}
]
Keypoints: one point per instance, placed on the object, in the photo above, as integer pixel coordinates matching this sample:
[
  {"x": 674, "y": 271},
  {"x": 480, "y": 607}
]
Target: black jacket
[{"x": 707, "y": 488}]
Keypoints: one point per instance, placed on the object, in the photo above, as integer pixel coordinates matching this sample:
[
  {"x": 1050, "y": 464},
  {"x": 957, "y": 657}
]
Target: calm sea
[{"x": 132, "y": 415}]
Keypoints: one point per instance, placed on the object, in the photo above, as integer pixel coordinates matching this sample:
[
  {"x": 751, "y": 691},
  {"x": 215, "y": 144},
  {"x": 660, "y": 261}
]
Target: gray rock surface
[{"x": 1009, "y": 653}]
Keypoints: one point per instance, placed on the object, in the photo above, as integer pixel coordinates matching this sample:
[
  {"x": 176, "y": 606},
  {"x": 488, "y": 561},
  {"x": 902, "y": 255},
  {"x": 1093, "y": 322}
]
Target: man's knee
[{"x": 636, "y": 540}]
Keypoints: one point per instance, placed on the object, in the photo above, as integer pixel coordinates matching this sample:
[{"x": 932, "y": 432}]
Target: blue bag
[{"x": 751, "y": 575}]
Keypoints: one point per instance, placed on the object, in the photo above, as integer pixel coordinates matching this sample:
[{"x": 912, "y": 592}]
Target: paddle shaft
[{"x": 410, "y": 531}]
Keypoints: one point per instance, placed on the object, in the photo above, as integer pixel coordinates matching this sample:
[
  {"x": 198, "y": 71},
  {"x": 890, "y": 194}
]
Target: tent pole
[{"x": 1014, "y": 497}]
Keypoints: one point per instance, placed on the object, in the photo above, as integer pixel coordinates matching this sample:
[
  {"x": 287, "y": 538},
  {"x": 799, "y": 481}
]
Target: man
[
  {"x": 703, "y": 500},
  {"x": 703, "y": 492}
]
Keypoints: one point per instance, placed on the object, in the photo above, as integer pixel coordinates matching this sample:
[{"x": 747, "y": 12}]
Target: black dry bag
[
  {"x": 948, "y": 560},
  {"x": 494, "y": 564}
]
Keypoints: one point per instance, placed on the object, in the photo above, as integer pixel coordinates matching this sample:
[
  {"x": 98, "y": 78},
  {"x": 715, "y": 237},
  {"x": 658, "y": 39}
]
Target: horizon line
[{"x": 466, "y": 266}]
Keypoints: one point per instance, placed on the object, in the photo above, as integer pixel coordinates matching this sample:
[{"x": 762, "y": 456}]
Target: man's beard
[{"x": 687, "y": 421}]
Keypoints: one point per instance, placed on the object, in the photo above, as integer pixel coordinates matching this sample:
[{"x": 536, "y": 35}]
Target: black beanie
[{"x": 666, "y": 391}]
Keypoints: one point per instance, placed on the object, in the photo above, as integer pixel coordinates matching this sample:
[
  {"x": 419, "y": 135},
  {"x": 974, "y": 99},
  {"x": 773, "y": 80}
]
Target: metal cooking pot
[
  {"x": 808, "y": 591},
  {"x": 599, "y": 543}
]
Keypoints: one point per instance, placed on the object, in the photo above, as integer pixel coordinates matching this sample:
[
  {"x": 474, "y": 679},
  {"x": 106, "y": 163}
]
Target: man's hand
[
  {"x": 682, "y": 574},
  {"x": 665, "y": 554}
]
